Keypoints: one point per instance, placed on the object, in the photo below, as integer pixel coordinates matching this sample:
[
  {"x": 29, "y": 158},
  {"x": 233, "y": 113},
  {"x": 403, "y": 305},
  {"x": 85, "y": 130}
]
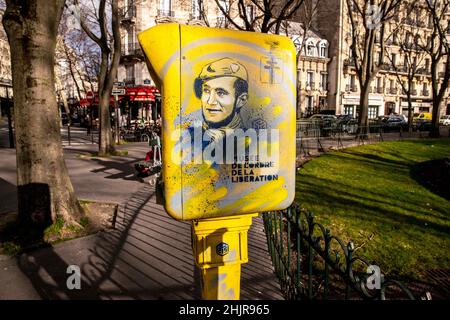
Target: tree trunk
[
  {"x": 44, "y": 187},
  {"x": 363, "y": 108},
  {"x": 410, "y": 113},
  {"x": 434, "y": 132},
  {"x": 106, "y": 142}
]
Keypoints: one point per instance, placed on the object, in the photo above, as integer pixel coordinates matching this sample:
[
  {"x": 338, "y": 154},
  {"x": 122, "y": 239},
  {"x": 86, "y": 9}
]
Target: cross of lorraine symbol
[{"x": 271, "y": 71}]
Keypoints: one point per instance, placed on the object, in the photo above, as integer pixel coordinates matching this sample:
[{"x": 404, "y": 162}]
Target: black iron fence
[
  {"x": 320, "y": 135},
  {"x": 311, "y": 263}
]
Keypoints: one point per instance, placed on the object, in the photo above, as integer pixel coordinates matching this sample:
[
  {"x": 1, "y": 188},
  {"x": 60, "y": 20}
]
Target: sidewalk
[{"x": 147, "y": 256}]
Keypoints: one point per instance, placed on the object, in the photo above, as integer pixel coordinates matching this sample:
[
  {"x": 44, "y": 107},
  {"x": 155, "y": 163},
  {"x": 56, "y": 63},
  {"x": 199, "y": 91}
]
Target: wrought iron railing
[
  {"x": 166, "y": 13},
  {"x": 128, "y": 12},
  {"x": 132, "y": 49},
  {"x": 311, "y": 263}
]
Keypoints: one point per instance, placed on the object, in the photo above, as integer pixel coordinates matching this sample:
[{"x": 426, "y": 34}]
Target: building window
[
  {"x": 297, "y": 44},
  {"x": 323, "y": 50},
  {"x": 196, "y": 10},
  {"x": 310, "y": 78},
  {"x": 324, "y": 81},
  {"x": 309, "y": 104},
  {"x": 379, "y": 85},
  {"x": 393, "y": 59},
  {"x": 322, "y": 103},
  {"x": 130, "y": 78},
  {"x": 249, "y": 12},
  {"x": 165, "y": 8},
  {"x": 372, "y": 112},
  {"x": 349, "y": 110},
  {"x": 310, "y": 49},
  {"x": 351, "y": 83}
]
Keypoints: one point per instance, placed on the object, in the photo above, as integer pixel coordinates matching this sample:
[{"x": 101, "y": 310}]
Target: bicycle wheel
[{"x": 145, "y": 138}]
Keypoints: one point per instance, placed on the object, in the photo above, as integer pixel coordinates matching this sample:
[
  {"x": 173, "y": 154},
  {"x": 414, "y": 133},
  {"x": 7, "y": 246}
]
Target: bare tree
[
  {"x": 407, "y": 34},
  {"x": 368, "y": 20},
  {"x": 265, "y": 15},
  {"x": 307, "y": 16},
  {"x": 109, "y": 42},
  {"x": 45, "y": 191},
  {"x": 439, "y": 53}
]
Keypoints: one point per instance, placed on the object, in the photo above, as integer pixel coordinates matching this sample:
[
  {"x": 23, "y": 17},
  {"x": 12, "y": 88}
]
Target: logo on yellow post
[{"x": 222, "y": 249}]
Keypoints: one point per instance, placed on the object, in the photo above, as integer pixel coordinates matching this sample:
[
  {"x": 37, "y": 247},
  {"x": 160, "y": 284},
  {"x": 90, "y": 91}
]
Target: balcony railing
[
  {"x": 423, "y": 71},
  {"x": 387, "y": 67},
  {"x": 221, "y": 21},
  {"x": 393, "y": 90},
  {"x": 441, "y": 74},
  {"x": 380, "y": 89},
  {"x": 323, "y": 86},
  {"x": 414, "y": 92},
  {"x": 310, "y": 84},
  {"x": 128, "y": 13},
  {"x": 195, "y": 16},
  {"x": 402, "y": 68},
  {"x": 425, "y": 93},
  {"x": 166, "y": 13},
  {"x": 349, "y": 62},
  {"x": 130, "y": 81},
  {"x": 350, "y": 87},
  {"x": 132, "y": 49}
]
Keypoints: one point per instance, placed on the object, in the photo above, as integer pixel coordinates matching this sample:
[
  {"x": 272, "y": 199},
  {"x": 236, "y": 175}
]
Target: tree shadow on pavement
[
  {"x": 117, "y": 170},
  {"x": 8, "y": 192},
  {"x": 129, "y": 262},
  {"x": 148, "y": 255}
]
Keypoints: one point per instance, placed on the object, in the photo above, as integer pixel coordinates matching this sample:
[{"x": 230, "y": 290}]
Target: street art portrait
[
  {"x": 229, "y": 123},
  {"x": 222, "y": 87}
]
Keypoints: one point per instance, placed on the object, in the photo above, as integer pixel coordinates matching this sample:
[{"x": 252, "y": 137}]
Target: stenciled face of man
[{"x": 219, "y": 100}]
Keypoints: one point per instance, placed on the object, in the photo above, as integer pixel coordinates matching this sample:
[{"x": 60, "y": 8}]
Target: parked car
[
  {"x": 347, "y": 123},
  {"x": 424, "y": 125},
  {"x": 350, "y": 126},
  {"x": 393, "y": 123},
  {"x": 323, "y": 117},
  {"x": 445, "y": 120},
  {"x": 422, "y": 116},
  {"x": 326, "y": 123}
]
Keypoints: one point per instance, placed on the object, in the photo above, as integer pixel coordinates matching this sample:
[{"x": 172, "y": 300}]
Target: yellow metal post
[
  {"x": 219, "y": 86},
  {"x": 220, "y": 247}
]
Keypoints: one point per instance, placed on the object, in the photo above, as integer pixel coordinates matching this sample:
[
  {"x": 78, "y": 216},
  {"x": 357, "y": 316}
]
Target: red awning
[{"x": 139, "y": 94}]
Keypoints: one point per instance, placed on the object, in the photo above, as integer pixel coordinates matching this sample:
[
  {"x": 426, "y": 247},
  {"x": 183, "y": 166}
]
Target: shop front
[
  {"x": 136, "y": 105},
  {"x": 350, "y": 106}
]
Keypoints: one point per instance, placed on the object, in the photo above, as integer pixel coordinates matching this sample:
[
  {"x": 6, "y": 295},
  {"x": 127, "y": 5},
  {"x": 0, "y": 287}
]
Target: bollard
[{"x": 220, "y": 248}]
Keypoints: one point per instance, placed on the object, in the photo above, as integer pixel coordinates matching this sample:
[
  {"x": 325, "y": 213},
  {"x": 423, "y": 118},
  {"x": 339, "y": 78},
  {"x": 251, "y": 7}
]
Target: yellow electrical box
[
  {"x": 228, "y": 111},
  {"x": 220, "y": 247}
]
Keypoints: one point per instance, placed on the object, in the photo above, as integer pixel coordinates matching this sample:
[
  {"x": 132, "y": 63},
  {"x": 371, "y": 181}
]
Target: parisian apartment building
[{"x": 386, "y": 92}]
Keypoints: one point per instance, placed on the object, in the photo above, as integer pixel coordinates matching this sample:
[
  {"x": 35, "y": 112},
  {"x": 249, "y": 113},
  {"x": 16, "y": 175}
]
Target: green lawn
[{"x": 369, "y": 194}]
